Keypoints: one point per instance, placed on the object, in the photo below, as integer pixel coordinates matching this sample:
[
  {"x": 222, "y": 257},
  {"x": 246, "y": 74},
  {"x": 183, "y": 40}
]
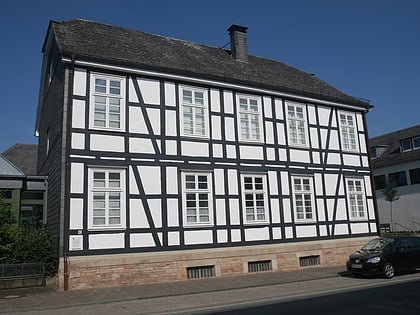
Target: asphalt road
[{"x": 392, "y": 299}]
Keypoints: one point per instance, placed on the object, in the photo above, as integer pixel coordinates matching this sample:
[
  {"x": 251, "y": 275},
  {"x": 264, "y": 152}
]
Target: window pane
[
  {"x": 415, "y": 176},
  {"x": 100, "y": 86},
  {"x": 114, "y": 87},
  {"x": 187, "y": 96},
  {"x": 98, "y": 179}
]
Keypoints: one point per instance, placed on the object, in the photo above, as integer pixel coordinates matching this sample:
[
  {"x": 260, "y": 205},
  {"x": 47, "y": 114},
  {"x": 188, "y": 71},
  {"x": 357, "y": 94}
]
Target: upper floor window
[
  {"x": 197, "y": 198},
  {"x": 303, "y": 198},
  {"x": 106, "y": 198},
  {"x": 254, "y": 198},
  {"x": 410, "y": 144},
  {"x": 107, "y": 102},
  {"x": 250, "y": 118},
  {"x": 348, "y": 131},
  {"x": 194, "y": 112},
  {"x": 356, "y": 198},
  {"x": 415, "y": 176},
  {"x": 296, "y": 124},
  {"x": 373, "y": 153},
  {"x": 398, "y": 178}
]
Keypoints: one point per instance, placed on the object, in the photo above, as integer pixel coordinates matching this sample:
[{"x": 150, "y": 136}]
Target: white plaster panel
[
  {"x": 276, "y": 233},
  {"x": 251, "y": 153},
  {"x": 334, "y": 142},
  {"x": 275, "y": 210},
  {"x": 141, "y": 240},
  {"x": 330, "y": 209},
  {"x": 133, "y": 184},
  {"x": 341, "y": 210},
  {"x": 229, "y": 129},
  {"x": 371, "y": 209},
  {"x": 231, "y": 151},
  {"x": 154, "y": 117},
  {"x": 323, "y": 231},
  {"x": 365, "y": 161},
  {"x": 306, "y": 231},
  {"x": 222, "y": 236},
  {"x": 141, "y": 145},
  {"x": 173, "y": 238},
  {"x": 318, "y": 187},
  {"x": 216, "y": 133},
  {"x": 269, "y": 132},
  {"x": 77, "y": 177},
  {"x": 333, "y": 158},
  {"x": 219, "y": 181},
  {"x": 316, "y": 157},
  {"x": 215, "y": 100},
  {"x": 170, "y": 123},
  {"x": 78, "y": 114},
  {"x": 138, "y": 217},
  {"x": 173, "y": 213},
  {"x": 171, "y": 180},
  {"x": 77, "y": 141},
  {"x": 220, "y": 212},
  {"x": 282, "y": 155},
  {"x": 273, "y": 183},
  {"x": 76, "y": 214},
  {"x": 359, "y": 119},
  {"x": 341, "y": 229},
  {"x": 351, "y": 159},
  {"x": 155, "y": 206},
  {"x": 235, "y": 235},
  {"x": 132, "y": 94},
  {"x": 373, "y": 227},
  {"x": 287, "y": 211},
  {"x": 331, "y": 181},
  {"x": 106, "y": 143},
  {"x": 234, "y": 212},
  {"x": 151, "y": 179},
  {"x": 299, "y": 156},
  {"x": 313, "y": 133},
  {"x": 171, "y": 147},
  {"x": 170, "y": 95},
  {"x": 281, "y": 134},
  {"x": 79, "y": 86},
  {"x": 284, "y": 177},
  {"x": 362, "y": 143},
  {"x": 106, "y": 241},
  {"x": 321, "y": 210},
  {"x": 359, "y": 228},
  {"x": 150, "y": 91},
  {"x": 198, "y": 237},
  {"x": 278, "y": 104},
  {"x": 288, "y": 231},
  {"x": 324, "y": 116},
  {"x": 217, "y": 150},
  {"x": 368, "y": 185},
  {"x": 233, "y": 182},
  {"x": 189, "y": 148},
  {"x": 75, "y": 242},
  {"x": 228, "y": 102},
  {"x": 136, "y": 122},
  {"x": 257, "y": 234},
  {"x": 312, "y": 115},
  {"x": 267, "y": 107},
  {"x": 271, "y": 154}
]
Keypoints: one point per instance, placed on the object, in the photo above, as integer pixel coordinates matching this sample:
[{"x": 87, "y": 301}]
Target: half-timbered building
[{"x": 170, "y": 160}]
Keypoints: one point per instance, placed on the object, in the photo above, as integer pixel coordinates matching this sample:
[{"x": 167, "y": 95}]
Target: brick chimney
[{"x": 238, "y": 42}]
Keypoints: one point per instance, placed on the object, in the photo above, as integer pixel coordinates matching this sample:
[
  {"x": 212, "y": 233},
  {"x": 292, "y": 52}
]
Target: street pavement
[{"x": 197, "y": 296}]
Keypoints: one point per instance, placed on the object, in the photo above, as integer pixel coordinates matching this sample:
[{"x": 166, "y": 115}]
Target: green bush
[{"x": 23, "y": 245}]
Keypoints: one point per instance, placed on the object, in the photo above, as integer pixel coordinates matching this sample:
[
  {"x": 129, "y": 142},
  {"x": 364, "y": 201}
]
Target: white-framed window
[
  {"x": 197, "y": 198},
  {"x": 106, "y": 198},
  {"x": 250, "y": 118},
  {"x": 356, "y": 198},
  {"x": 303, "y": 198},
  {"x": 254, "y": 196},
  {"x": 107, "y": 108},
  {"x": 194, "y": 112},
  {"x": 348, "y": 131},
  {"x": 296, "y": 124}
]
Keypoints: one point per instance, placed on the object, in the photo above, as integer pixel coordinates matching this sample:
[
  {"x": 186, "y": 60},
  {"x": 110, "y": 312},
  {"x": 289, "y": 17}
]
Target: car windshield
[{"x": 378, "y": 244}]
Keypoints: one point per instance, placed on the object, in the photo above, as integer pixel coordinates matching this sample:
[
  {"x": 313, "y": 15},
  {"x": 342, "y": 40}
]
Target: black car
[{"x": 385, "y": 256}]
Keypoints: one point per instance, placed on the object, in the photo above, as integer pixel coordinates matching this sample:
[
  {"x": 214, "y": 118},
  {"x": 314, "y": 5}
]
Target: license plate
[{"x": 356, "y": 266}]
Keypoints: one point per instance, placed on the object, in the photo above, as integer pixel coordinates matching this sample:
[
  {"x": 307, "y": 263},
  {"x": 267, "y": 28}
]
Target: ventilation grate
[
  {"x": 201, "y": 272},
  {"x": 259, "y": 266},
  {"x": 308, "y": 261}
]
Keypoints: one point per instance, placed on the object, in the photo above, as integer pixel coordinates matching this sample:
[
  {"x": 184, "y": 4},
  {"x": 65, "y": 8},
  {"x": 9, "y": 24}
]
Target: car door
[{"x": 405, "y": 254}]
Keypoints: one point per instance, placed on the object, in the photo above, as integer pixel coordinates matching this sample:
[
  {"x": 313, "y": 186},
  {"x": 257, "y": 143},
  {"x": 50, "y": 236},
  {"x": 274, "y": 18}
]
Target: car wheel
[{"x": 388, "y": 270}]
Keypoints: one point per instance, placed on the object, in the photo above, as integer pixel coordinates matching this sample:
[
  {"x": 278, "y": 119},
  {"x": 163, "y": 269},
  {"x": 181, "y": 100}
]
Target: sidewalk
[{"x": 41, "y": 299}]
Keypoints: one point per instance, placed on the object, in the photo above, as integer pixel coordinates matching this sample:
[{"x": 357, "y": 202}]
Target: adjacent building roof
[
  {"x": 91, "y": 41},
  {"x": 389, "y": 146},
  {"x": 24, "y": 157},
  {"x": 8, "y": 169}
]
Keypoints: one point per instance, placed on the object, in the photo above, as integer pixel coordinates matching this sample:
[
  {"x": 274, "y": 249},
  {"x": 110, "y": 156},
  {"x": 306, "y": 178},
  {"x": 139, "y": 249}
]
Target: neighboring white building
[
  {"x": 170, "y": 160},
  {"x": 397, "y": 155}
]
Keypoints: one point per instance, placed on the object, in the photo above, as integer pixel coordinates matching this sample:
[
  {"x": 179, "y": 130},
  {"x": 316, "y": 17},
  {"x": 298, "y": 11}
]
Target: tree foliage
[{"x": 23, "y": 245}]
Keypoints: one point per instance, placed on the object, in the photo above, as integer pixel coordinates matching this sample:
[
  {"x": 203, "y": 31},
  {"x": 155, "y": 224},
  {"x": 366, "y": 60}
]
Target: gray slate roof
[
  {"x": 390, "y": 143},
  {"x": 94, "y": 41},
  {"x": 23, "y": 156}
]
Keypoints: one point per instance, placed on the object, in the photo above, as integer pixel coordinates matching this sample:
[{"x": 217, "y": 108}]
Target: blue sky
[{"x": 366, "y": 48}]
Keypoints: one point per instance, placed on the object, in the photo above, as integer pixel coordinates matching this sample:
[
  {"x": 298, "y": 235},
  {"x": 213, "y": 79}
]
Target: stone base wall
[{"x": 140, "y": 268}]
